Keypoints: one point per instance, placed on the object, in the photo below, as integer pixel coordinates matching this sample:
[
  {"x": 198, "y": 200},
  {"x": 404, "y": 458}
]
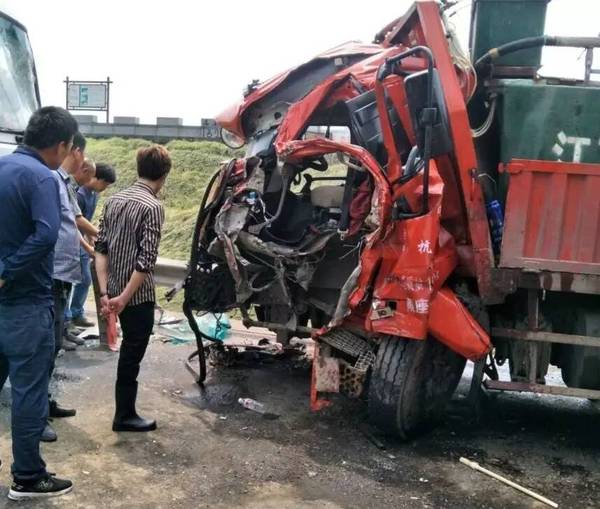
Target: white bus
[{"x": 19, "y": 91}]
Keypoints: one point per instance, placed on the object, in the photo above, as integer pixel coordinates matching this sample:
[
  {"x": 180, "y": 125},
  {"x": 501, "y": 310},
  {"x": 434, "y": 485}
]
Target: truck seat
[{"x": 327, "y": 197}]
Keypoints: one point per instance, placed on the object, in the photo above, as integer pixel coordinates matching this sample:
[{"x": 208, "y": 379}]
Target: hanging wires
[
  {"x": 463, "y": 63},
  {"x": 459, "y": 57},
  {"x": 485, "y": 127}
]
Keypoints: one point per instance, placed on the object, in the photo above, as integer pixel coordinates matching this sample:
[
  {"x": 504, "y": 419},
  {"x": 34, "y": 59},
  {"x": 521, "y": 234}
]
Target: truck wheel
[
  {"x": 411, "y": 382},
  {"x": 580, "y": 365}
]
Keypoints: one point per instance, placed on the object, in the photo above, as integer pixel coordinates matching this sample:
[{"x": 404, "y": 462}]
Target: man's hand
[
  {"x": 105, "y": 305},
  {"x": 117, "y": 304},
  {"x": 88, "y": 249},
  {"x": 2, "y": 283}
]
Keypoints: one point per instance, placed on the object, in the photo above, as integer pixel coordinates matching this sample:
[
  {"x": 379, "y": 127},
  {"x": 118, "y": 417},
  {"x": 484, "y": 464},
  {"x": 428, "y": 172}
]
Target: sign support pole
[{"x": 108, "y": 82}]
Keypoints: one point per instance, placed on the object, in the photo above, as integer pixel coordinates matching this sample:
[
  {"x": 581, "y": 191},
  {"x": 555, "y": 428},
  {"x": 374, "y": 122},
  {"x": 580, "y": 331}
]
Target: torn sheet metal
[
  {"x": 229, "y": 223},
  {"x": 312, "y": 246},
  {"x": 290, "y": 262}
]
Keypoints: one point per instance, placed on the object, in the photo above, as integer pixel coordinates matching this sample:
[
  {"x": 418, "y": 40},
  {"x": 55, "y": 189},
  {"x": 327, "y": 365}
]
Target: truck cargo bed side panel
[{"x": 552, "y": 217}]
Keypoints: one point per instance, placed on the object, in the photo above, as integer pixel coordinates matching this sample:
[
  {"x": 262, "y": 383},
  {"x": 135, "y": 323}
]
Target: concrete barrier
[{"x": 165, "y": 129}]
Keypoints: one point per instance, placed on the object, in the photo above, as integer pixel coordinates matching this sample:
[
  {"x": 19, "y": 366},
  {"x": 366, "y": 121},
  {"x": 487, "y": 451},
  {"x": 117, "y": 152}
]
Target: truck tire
[
  {"x": 411, "y": 383},
  {"x": 580, "y": 365}
]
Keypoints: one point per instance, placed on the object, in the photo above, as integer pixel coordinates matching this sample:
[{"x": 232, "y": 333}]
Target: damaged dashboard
[{"x": 280, "y": 237}]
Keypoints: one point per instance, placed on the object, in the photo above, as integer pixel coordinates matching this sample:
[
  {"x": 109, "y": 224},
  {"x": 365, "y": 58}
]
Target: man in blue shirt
[
  {"x": 87, "y": 198},
  {"x": 29, "y": 225}
]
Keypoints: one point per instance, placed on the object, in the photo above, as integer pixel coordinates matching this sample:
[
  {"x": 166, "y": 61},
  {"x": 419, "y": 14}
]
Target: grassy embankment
[{"x": 193, "y": 164}]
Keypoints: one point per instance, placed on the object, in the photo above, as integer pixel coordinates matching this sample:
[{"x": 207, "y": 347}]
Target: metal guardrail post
[{"x": 168, "y": 272}]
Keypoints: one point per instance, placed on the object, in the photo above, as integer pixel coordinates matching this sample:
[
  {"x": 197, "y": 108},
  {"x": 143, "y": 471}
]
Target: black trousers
[{"x": 137, "y": 323}]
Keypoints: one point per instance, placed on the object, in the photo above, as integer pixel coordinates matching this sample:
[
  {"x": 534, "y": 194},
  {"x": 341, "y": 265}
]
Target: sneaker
[
  {"x": 82, "y": 321},
  {"x": 45, "y": 487}
]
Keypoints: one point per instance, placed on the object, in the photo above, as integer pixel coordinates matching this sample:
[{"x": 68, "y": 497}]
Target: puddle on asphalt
[
  {"x": 506, "y": 466},
  {"x": 567, "y": 469},
  {"x": 215, "y": 397},
  {"x": 63, "y": 376}
]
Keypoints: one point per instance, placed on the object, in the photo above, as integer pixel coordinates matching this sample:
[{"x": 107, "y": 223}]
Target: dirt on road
[{"x": 210, "y": 452}]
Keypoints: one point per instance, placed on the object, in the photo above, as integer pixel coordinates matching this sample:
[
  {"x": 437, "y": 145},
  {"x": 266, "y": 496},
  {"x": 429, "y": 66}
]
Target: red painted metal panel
[
  {"x": 552, "y": 217},
  {"x": 466, "y": 160}
]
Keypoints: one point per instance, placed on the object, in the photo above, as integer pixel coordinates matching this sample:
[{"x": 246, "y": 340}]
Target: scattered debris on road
[
  {"x": 368, "y": 433},
  {"x": 476, "y": 466},
  {"x": 255, "y": 406}
]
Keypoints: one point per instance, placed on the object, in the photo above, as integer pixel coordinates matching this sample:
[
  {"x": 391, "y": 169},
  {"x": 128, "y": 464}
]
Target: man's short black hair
[
  {"x": 79, "y": 141},
  {"x": 106, "y": 173},
  {"x": 153, "y": 162},
  {"x": 50, "y": 126}
]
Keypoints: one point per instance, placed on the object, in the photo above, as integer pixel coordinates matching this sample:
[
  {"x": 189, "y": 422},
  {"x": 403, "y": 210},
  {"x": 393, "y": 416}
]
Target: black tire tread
[{"x": 404, "y": 376}]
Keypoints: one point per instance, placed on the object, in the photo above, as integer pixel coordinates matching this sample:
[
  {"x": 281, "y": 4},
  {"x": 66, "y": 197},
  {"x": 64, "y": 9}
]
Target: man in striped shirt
[{"x": 126, "y": 252}]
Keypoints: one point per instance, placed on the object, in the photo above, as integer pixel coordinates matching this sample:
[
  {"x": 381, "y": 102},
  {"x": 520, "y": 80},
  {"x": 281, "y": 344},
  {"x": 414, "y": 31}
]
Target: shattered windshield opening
[{"x": 17, "y": 77}]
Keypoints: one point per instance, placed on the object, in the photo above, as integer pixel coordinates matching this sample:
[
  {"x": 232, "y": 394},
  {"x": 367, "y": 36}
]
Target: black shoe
[
  {"x": 82, "y": 321},
  {"x": 74, "y": 330},
  {"x": 74, "y": 339},
  {"x": 49, "y": 435},
  {"x": 43, "y": 488},
  {"x": 126, "y": 418},
  {"x": 135, "y": 423},
  {"x": 59, "y": 412},
  {"x": 67, "y": 346}
]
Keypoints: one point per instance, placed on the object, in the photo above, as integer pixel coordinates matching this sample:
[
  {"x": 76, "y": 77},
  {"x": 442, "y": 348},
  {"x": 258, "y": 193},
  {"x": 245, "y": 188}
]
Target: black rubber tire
[
  {"x": 411, "y": 383},
  {"x": 580, "y": 365}
]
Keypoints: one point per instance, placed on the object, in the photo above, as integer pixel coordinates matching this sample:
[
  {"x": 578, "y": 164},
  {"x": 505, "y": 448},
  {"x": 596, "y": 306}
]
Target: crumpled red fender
[
  {"x": 408, "y": 274},
  {"x": 412, "y": 260},
  {"x": 451, "y": 324}
]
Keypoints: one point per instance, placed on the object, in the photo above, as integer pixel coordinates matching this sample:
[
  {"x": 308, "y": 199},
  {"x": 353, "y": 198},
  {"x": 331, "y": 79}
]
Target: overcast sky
[{"x": 190, "y": 59}]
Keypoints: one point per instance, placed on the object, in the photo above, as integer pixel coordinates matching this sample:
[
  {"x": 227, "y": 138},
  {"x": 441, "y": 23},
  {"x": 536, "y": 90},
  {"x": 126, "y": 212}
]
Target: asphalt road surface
[{"x": 210, "y": 452}]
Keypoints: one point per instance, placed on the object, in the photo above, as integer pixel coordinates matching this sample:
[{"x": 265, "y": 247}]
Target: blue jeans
[
  {"x": 80, "y": 290},
  {"x": 27, "y": 344}
]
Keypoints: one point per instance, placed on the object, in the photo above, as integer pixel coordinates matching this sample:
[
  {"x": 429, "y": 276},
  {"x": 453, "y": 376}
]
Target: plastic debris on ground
[
  {"x": 179, "y": 332},
  {"x": 255, "y": 406}
]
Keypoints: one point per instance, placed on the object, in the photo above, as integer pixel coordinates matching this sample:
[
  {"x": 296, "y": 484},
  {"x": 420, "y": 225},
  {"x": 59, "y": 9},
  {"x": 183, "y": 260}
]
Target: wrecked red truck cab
[{"x": 346, "y": 220}]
